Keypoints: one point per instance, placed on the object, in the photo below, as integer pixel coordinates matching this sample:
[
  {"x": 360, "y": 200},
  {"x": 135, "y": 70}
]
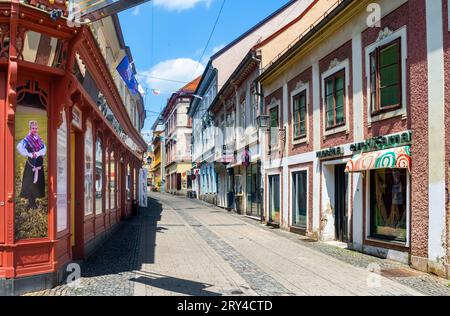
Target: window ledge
[
  {"x": 336, "y": 130},
  {"x": 388, "y": 115},
  {"x": 301, "y": 140},
  {"x": 386, "y": 242}
]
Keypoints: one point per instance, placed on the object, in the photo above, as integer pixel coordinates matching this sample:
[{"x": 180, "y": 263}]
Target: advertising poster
[
  {"x": 31, "y": 197},
  {"x": 143, "y": 174},
  {"x": 62, "y": 176}
]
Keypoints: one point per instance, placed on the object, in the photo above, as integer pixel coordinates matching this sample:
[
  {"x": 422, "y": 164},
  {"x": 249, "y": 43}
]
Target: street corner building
[{"x": 71, "y": 149}]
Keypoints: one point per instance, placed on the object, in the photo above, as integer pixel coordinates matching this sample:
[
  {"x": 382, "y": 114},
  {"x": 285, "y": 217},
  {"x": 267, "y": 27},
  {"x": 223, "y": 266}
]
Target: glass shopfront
[
  {"x": 388, "y": 204},
  {"x": 299, "y": 199}
]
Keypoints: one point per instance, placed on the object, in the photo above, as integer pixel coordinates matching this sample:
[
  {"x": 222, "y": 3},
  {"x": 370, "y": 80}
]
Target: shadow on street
[{"x": 175, "y": 285}]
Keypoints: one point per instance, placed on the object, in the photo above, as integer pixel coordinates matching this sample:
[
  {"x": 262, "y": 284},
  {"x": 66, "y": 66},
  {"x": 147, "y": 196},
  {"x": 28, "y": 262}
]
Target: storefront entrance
[
  {"x": 77, "y": 193},
  {"x": 341, "y": 203}
]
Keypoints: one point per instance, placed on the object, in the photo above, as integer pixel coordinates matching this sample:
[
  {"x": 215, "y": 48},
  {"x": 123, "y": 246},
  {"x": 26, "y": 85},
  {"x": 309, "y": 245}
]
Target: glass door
[{"x": 274, "y": 199}]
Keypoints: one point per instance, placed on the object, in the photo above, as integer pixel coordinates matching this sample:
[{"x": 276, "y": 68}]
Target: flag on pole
[{"x": 126, "y": 72}]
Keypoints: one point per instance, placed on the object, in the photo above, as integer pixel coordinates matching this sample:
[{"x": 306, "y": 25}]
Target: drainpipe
[{"x": 260, "y": 164}]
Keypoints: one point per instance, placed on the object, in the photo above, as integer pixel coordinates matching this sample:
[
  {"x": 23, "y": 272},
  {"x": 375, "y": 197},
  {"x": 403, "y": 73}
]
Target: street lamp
[{"x": 263, "y": 121}]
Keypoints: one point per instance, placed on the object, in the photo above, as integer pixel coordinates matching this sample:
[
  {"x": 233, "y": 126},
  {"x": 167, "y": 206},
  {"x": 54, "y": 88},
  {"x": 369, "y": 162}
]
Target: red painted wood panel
[
  {"x": 32, "y": 255},
  {"x": 2, "y": 157}
]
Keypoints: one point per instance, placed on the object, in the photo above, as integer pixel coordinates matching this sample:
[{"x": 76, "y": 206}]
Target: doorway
[
  {"x": 341, "y": 203},
  {"x": 77, "y": 193}
]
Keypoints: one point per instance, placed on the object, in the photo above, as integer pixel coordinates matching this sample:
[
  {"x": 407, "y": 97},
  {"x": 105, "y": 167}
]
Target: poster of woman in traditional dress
[
  {"x": 33, "y": 149},
  {"x": 31, "y": 193}
]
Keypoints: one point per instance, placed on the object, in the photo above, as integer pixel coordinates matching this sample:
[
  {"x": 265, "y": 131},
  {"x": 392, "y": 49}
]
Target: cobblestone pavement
[{"x": 179, "y": 246}]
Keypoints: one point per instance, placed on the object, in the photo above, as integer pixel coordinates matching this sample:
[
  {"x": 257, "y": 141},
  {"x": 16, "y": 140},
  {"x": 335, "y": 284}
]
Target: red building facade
[{"x": 57, "y": 204}]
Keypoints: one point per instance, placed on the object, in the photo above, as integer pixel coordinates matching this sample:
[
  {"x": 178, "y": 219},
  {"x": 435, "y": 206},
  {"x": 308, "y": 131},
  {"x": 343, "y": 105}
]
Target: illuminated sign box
[{"x": 97, "y": 9}]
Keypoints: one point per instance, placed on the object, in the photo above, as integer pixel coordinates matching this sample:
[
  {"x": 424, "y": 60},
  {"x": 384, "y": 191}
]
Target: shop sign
[
  {"x": 227, "y": 154},
  {"x": 383, "y": 142},
  {"x": 330, "y": 152},
  {"x": 76, "y": 117}
]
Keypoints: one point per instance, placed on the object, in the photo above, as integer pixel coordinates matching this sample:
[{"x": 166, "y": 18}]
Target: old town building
[
  {"x": 70, "y": 141},
  {"x": 158, "y": 163},
  {"x": 213, "y": 182},
  {"x": 357, "y": 143},
  {"x": 178, "y": 130}
]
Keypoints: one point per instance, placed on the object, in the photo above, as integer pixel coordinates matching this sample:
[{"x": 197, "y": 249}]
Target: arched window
[{"x": 98, "y": 176}]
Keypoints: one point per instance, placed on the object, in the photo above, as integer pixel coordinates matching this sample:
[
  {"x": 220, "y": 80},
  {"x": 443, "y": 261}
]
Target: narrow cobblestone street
[{"x": 179, "y": 246}]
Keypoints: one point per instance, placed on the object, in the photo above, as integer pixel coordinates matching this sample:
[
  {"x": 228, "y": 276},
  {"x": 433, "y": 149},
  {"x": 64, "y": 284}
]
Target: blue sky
[{"x": 180, "y": 32}]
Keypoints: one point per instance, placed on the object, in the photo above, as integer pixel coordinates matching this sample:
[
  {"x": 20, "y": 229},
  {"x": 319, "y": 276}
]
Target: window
[
  {"x": 88, "y": 170},
  {"x": 107, "y": 184},
  {"x": 274, "y": 126},
  {"x": 299, "y": 115},
  {"x": 335, "y": 100},
  {"x": 112, "y": 181},
  {"x": 98, "y": 177},
  {"x": 299, "y": 199},
  {"x": 385, "y": 77},
  {"x": 274, "y": 199},
  {"x": 388, "y": 204}
]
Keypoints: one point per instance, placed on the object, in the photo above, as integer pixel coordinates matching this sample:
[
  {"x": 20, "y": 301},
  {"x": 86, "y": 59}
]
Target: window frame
[
  {"x": 401, "y": 35},
  {"x": 271, "y": 107},
  {"x": 334, "y": 77},
  {"x": 343, "y": 66},
  {"x": 303, "y": 89},
  {"x": 376, "y": 108}
]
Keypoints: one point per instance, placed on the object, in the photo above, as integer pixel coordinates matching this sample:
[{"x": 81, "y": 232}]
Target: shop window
[
  {"x": 112, "y": 181},
  {"x": 335, "y": 100},
  {"x": 299, "y": 199},
  {"x": 98, "y": 176},
  {"x": 107, "y": 179},
  {"x": 274, "y": 123},
  {"x": 253, "y": 204},
  {"x": 88, "y": 170},
  {"x": 388, "y": 204},
  {"x": 128, "y": 188},
  {"x": 31, "y": 172},
  {"x": 299, "y": 103},
  {"x": 274, "y": 199},
  {"x": 385, "y": 77}
]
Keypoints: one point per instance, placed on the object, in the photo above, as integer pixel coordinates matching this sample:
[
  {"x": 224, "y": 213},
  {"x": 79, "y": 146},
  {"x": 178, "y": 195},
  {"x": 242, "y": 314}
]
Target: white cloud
[
  {"x": 180, "y": 5},
  {"x": 136, "y": 11},
  {"x": 217, "y": 48},
  {"x": 178, "y": 72}
]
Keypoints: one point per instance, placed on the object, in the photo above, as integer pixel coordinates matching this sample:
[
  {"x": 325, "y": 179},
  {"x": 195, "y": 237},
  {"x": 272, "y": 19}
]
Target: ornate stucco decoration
[
  {"x": 384, "y": 33},
  {"x": 335, "y": 62},
  {"x": 299, "y": 85}
]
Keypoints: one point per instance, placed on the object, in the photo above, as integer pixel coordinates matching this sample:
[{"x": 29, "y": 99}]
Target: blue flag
[{"x": 126, "y": 72}]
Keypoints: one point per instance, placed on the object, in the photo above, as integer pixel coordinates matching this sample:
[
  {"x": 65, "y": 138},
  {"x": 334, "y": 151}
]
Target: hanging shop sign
[
  {"x": 330, "y": 153},
  {"x": 383, "y": 142},
  {"x": 227, "y": 155}
]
